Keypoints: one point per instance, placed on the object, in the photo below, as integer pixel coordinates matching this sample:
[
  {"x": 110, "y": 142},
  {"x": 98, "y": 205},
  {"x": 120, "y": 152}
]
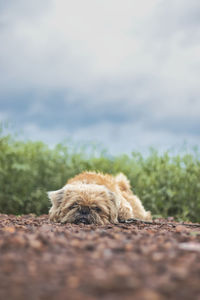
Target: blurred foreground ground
[{"x": 41, "y": 260}]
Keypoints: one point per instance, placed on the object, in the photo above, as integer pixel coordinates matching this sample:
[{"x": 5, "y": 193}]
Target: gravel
[{"x": 44, "y": 260}]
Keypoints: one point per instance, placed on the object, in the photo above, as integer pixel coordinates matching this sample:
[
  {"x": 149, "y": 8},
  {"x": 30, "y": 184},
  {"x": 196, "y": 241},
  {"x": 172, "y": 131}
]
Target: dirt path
[{"x": 40, "y": 260}]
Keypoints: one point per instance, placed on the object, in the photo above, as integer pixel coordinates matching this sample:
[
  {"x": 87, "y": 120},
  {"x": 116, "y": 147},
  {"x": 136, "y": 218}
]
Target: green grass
[{"x": 169, "y": 185}]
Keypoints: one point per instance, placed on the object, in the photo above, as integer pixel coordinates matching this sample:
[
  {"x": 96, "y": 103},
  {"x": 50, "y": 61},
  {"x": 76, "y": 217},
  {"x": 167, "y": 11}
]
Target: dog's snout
[
  {"x": 82, "y": 220},
  {"x": 84, "y": 210},
  {"x": 83, "y": 215}
]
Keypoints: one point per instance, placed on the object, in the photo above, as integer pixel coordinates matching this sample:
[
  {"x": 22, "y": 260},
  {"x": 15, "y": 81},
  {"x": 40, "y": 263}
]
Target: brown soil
[{"x": 42, "y": 260}]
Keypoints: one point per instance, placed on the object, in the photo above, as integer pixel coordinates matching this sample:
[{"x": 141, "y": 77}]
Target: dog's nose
[
  {"x": 82, "y": 220},
  {"x": 84, "y": 210}
]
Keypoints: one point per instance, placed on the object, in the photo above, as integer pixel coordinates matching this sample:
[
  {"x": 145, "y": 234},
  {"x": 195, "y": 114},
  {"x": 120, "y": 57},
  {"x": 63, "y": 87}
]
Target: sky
[{"x": 123, "y": 74}]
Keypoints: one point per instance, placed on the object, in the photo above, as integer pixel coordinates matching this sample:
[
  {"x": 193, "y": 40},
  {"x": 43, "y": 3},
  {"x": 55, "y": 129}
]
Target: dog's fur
[{"x": 96, "y": 198}]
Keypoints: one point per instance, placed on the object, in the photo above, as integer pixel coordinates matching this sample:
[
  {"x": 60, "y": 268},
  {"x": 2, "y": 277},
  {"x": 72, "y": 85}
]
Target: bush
[{"x": 168, "y": 185}]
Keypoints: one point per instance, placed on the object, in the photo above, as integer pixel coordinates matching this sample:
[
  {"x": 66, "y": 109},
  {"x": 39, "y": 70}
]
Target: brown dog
[{"x": 96, "y": 198}]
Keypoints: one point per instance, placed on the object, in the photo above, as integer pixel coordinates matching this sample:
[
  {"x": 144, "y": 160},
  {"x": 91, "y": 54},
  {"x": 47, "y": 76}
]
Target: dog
[{"x": 96, "y": 198}]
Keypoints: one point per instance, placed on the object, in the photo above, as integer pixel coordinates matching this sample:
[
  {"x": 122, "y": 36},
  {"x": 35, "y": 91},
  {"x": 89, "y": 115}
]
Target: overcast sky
[{"x": 122, "y": 73}]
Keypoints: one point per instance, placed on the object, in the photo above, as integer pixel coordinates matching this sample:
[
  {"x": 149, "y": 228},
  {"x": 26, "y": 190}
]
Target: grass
[{"x": 169, "y": 185}]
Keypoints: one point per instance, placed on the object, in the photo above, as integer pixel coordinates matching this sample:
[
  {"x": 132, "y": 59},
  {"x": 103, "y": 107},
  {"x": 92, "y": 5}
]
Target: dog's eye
[
  {"x": 73, "y": 206},
  {"x": 97, "y": 209}
]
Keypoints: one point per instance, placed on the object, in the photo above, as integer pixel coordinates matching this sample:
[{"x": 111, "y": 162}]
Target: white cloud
[{"x": 75, "y": 43}]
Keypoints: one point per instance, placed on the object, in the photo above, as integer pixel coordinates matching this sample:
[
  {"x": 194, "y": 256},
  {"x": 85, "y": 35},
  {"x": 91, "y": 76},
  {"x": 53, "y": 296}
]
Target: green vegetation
[{"x": 169, "y": 185}]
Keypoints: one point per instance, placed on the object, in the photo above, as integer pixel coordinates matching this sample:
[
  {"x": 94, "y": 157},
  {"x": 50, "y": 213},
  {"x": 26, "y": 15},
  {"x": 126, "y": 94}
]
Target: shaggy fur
[{"x": 96, "y": 198}]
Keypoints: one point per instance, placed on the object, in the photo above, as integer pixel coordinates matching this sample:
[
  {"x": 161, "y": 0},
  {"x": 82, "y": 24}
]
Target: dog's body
[{"x": 96, "y": 198}]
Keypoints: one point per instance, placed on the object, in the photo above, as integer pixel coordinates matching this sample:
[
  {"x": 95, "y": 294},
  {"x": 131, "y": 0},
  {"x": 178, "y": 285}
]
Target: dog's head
[{"x": 83, "y": 203}]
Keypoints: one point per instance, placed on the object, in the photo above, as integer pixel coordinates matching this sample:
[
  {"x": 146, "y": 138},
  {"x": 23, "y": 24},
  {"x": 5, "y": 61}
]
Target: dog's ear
[
  {"x": 113, "y": 208},
  {"x": 113, "y": 198},
  {"x": 56, "y": 196}
]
